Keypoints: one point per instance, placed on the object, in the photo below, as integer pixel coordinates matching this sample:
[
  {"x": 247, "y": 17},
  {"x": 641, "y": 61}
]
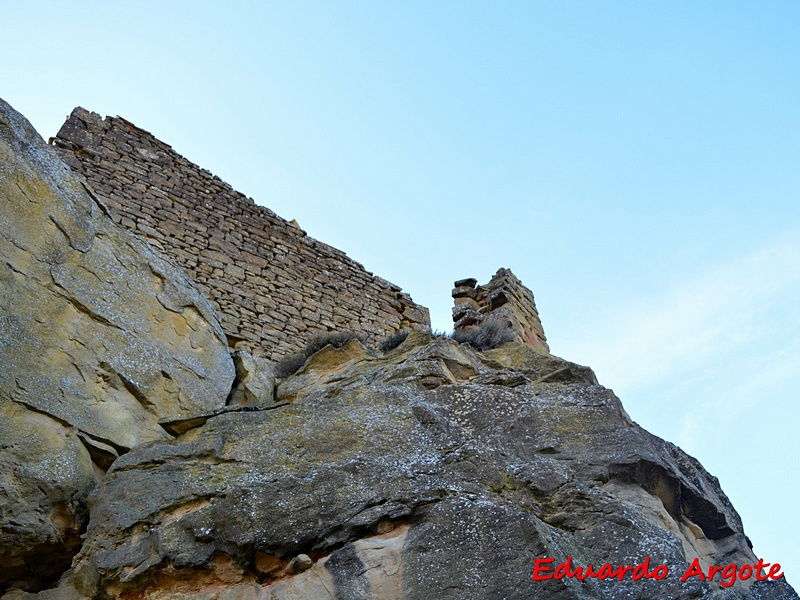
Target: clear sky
[{"x": 634, "y": 163}]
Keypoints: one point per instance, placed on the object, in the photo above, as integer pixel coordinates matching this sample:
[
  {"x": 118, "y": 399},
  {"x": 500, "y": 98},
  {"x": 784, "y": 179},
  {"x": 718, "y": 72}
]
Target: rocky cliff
[
  {"x": 100, "y": 338},
  {"x": 430, "y": 470}
]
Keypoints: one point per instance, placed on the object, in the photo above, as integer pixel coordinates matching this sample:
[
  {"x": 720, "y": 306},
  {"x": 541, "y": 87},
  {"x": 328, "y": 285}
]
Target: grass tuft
[
  {"x": 393, "y": 341},
  {"x": 292, "y": 363},
  {"x": 492, "y": 332},
  {"x": 289, "y": 365}
]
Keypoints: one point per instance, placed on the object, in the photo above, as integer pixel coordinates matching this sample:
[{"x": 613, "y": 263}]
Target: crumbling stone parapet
[{"x": 503, "y": 297}]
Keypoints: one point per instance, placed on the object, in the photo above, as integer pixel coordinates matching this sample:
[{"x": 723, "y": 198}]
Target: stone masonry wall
[
  {"x": 503, "y": 297},
  {"x": 274, "y": 286}
]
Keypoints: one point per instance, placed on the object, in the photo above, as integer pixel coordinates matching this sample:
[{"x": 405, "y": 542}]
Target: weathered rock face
[
  {"x": 100, "y": 339},
  {"x": 46, "y": 475},
  {"x": 432, "y": 471},
  {"x": 255, "y": 383}
]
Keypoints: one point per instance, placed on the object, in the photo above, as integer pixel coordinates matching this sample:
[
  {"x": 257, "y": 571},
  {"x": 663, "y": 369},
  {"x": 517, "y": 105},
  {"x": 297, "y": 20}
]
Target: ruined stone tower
[{"x": 503, "y": 297}]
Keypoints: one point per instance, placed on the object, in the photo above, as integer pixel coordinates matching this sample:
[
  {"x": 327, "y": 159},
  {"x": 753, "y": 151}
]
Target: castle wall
[
  {"x": 503, "y": 297},
  {"x": 274, "y": 286}
]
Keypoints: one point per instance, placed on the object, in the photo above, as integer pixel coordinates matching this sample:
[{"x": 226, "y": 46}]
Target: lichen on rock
[
  {"x": 100, "y": 339},
  {"x": 477, "y": 478},
  {"x": 130, "y": 468}
]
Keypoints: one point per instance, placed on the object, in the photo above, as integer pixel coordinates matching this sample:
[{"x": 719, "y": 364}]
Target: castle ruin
[
  {"x": 505, "y": 298},
  {"x": 274, "y": 286}
]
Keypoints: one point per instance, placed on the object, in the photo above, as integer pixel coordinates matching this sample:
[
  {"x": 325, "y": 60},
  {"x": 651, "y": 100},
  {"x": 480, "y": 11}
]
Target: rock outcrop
[
  {"x": 100, "y": 339},
  {"x": 254, "y": 386},
  {"x": 427, "y": 471},
  {"x": 431, "y": 471}
]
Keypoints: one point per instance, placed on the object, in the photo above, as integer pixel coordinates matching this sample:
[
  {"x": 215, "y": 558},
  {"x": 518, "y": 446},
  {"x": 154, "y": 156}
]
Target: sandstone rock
[
  {"x": 430, "y": 471},
  {"x": 327, "y": 364},
  {"x": 538, "y": 367},
  {"x": 255, "y": 384},
  {"x": 300, "y": 563},
  {"x": 64, "y": 591},
  {"x": 403, "y": 476},
  {"x": 464, "y": 292},
  {"x": 46, "y": 475},
  {"x": 99, "y": 331},
  {"x": 466, "y": 318},
  {"x": 461, "y": 309},
  {"x": 100, "y": 338},
  {"x": 468, "y": 301}
]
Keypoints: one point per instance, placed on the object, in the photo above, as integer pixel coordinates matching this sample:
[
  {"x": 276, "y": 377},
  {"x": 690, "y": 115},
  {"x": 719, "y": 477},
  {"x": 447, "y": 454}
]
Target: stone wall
[
  {"x": 503, "y": 297},
  {"x": 274, "y": 286}
]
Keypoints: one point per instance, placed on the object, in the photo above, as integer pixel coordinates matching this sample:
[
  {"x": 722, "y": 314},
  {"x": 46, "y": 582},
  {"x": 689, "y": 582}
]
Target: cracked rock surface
[
  {"x": 429, "y": 472},
  {"x": 100, "y": 339},
  {"x": 404, "y": 476}
]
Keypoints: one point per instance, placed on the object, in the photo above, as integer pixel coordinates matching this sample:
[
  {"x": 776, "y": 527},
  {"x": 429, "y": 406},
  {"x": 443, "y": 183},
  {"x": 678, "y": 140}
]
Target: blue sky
[{"x": 634, "y": 163}]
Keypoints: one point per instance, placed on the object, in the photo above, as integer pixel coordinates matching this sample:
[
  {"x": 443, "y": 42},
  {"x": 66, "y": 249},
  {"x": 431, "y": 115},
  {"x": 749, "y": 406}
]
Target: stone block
[
  {"x": 464, "y": 291},
  {"x": 469, "y": 282}
]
